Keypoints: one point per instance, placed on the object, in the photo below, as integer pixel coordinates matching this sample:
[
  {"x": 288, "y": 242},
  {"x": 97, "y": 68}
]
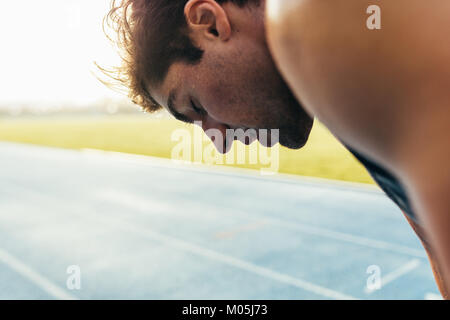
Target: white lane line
[
  {"x": 37, "y": 279},
  {"x": 230, "y": 171},
  {"x": 226, "y": 259},
  {"x": 58, "y": 154},
  {"x": 397, "y": 273},
  {"x": 213, "y": 255},
  {"x": 141, "y": 204},
  {"x": 341, "y": 236},
  {"x": 244, "y": 265}
]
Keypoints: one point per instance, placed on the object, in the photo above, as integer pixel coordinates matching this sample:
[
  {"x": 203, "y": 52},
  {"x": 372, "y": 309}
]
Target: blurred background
[
  {"x": 142, "y": 228},
  {"x": 49, "y": 94}
]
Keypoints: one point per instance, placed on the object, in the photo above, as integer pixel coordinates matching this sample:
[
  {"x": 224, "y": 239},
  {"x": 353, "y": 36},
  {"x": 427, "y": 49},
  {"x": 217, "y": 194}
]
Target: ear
[{"x": 207, "y": 19}]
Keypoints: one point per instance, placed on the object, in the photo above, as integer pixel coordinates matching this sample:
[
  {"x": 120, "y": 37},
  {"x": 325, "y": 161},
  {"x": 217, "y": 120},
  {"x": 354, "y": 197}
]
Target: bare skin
[
  {"x": 236, "y": 84},
  {"x": 384, "y": 92}
]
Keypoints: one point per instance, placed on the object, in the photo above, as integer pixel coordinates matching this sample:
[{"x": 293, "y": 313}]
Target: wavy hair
[{"x": 150, "y": 36}]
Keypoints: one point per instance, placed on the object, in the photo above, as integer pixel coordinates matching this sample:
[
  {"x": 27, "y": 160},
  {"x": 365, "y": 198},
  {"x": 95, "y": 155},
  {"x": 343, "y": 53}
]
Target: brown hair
[{"x": 150, "y": 35}]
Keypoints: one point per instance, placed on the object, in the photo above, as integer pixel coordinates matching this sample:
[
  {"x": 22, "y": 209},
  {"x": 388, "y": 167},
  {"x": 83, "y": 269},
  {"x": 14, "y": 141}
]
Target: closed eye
[{"x": 197, "y": 110}]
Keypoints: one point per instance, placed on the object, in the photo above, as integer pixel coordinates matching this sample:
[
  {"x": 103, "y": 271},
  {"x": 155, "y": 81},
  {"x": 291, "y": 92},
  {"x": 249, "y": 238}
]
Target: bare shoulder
[
  {"x": 365, "y": 68},
  {"x": 384, "y": 90}
]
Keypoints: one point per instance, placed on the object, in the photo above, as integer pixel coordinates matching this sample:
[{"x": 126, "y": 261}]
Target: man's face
[{"x": 235, "y": 85}]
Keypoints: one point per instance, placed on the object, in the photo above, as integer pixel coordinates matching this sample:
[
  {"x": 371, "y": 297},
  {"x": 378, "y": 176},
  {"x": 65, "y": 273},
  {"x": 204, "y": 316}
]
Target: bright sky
[{"x": 48, "y": 48}]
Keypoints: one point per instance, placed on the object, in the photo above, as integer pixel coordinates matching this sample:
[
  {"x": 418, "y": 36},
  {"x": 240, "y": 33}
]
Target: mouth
[
  {"x": 263, "y": 136},
  {"x": 247, "y": 139}
]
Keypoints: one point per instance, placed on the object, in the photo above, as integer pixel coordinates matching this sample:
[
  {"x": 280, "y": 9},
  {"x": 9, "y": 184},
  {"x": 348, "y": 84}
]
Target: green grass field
[{"x": 322, "y": 157}]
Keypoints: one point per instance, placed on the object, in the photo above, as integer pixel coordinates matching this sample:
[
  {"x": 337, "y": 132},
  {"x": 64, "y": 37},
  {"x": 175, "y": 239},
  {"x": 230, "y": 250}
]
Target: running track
[{"x": 146, "y": 228}]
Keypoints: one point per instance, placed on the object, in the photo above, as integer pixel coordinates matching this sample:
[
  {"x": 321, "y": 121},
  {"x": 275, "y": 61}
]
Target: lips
[
  {"x": 248, "y": 140},
  {"x": 227, "y": 144}
]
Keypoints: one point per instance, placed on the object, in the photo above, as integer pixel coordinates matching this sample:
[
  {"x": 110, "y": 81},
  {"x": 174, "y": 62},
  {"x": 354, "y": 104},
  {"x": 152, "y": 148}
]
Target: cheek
[
  {"x": 236, "y": 94},
  {"x": 221, "y": 100}
]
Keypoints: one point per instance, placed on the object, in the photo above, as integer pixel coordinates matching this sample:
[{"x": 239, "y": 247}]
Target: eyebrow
[{"x": 172, "y": 109}]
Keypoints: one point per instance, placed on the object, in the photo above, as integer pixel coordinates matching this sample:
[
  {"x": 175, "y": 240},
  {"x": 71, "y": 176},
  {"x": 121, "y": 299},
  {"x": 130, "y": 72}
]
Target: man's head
[{"x": 208, "y": 61}]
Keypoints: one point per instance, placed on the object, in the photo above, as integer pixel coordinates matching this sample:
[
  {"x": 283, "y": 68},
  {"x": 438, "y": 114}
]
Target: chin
[
  {"x": 293, "y": 144},
  {"x": 297, "y": 138}
]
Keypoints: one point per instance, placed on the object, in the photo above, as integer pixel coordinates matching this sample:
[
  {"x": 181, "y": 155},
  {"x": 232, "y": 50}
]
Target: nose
[{"x": 216, "y": 132}]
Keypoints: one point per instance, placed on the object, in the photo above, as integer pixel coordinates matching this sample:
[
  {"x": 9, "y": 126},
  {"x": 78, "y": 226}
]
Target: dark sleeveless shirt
[{"x": 388, "y": 182}]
